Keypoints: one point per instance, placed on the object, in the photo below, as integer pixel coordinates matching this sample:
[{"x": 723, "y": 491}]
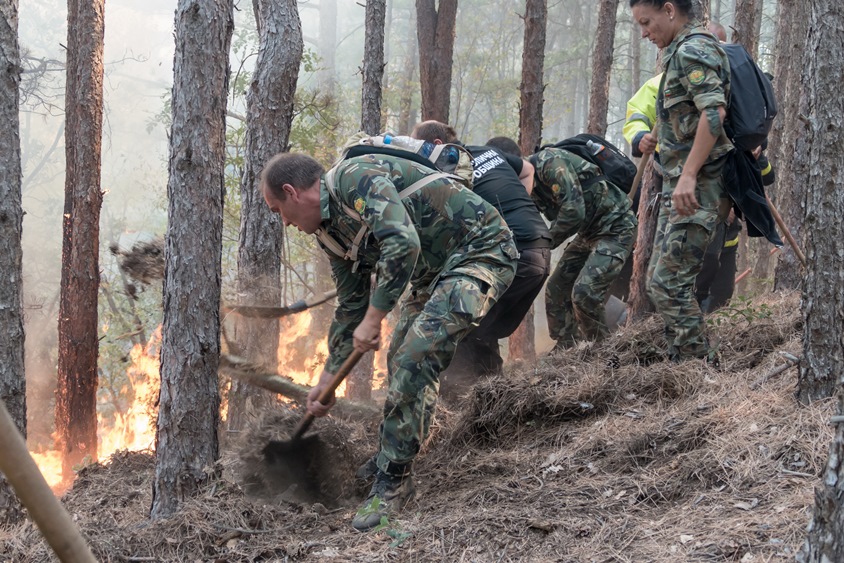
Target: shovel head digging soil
[{"x": 293, "y": 460}]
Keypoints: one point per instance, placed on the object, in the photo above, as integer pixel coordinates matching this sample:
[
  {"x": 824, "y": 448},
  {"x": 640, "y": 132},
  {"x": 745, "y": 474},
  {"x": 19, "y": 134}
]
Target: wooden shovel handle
[{"x": 328, "y": 392}]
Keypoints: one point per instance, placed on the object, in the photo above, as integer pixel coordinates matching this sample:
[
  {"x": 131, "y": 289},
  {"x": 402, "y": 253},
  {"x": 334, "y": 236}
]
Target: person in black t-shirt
[{"x": 505, "y": 181}]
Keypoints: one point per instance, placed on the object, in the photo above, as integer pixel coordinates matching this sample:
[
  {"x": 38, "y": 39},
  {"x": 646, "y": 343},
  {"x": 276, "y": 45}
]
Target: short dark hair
[
  {"x": 433, "y": 130},
  {"x": 505, "y": 144},
  {"x": 298, "y": 170},
  {"x": 685, "y": 7}
]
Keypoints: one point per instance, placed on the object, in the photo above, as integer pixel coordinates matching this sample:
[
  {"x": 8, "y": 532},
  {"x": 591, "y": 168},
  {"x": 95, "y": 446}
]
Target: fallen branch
[
  {"x": 249, "y": 373},
  {"x": 790, "y": 361}
]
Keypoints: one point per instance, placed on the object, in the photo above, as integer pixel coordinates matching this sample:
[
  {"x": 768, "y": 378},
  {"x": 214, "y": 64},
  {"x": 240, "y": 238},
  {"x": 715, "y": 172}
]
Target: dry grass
[{"x": 603, "y": 454}]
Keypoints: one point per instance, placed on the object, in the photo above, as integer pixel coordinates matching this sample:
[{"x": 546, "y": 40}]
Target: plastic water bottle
[
  {"x": 418, "y": 146},
  {"x": 593, "y": 147}
]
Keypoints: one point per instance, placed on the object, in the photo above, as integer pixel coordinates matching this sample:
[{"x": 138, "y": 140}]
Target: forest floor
[{"x": 606, "y": 453}]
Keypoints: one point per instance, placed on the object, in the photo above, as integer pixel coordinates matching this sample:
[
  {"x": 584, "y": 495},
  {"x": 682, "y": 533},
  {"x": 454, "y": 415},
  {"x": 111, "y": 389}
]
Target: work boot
[
  {"x": 388, "y": 496},
  {"x": 368, "y": 470}
]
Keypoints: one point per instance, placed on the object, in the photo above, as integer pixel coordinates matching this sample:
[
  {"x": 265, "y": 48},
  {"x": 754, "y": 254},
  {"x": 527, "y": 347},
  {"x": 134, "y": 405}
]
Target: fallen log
[{"x": 247, "y": 372}]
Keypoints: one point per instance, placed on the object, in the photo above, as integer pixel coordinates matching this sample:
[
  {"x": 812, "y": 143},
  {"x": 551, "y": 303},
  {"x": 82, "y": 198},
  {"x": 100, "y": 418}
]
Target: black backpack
[
  {"x": 752, "y": 106},
  {"x": 616, "y": 167}
]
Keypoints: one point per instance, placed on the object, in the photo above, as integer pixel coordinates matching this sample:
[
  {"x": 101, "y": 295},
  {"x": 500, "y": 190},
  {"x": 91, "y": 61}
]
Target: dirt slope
[{"x": 605, "y": 453}]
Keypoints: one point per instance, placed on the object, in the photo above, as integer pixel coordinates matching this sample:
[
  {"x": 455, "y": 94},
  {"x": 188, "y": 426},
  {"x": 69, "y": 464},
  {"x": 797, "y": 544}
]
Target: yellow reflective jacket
[{"x": 641, "y": 113}]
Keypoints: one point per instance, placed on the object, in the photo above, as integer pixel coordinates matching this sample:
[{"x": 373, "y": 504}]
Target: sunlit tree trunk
[
  {"x": 269, "y": 115},
  {"x": 638, "y": 300},
  {"x": 76, "y": 396},
  {"x": 373, "y": 67},
  {"x": 823, "y": 302},
  {"x": 790, "y": 132},
  {"x": 188, "y": 415},
  {"x": 12, "y": 380},
  {"x": 602, "y": 53},
  {"x": 435, "y": 30}
]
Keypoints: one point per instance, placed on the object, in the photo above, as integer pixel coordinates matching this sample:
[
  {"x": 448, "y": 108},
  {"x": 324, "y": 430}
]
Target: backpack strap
[{"x": 352, "y": 253}]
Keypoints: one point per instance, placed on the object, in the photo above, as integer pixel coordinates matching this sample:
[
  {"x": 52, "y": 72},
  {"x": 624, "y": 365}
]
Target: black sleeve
[{"x": 514, "y": 161}]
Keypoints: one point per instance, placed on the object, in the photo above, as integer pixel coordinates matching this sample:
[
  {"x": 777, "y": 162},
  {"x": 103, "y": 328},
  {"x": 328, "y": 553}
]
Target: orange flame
[
  {"x": 132, "y": 430},
  {"x": 301, "y": 356}
]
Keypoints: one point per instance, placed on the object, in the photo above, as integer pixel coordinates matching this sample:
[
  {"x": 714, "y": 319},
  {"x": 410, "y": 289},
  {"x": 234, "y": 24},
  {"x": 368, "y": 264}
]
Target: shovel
[
  {"x": 259, "y": 312},
  {"x": 284, "y": 451}
]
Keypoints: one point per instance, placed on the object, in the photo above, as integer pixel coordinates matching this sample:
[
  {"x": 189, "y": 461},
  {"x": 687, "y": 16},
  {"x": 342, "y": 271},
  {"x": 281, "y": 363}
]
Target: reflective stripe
[
  {"x": 731, "y": 243},
  {"x": 767, "y": 169},
  {"x": 640, "y": 117}
]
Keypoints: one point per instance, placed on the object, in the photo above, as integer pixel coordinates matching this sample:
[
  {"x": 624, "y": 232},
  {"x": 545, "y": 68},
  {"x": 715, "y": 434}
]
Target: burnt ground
[{"x": 606, "y": 453}]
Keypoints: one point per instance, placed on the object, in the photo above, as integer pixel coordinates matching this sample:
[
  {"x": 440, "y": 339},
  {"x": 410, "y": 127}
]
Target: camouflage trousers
[
  {"x": 679, "y": 249},
  {"x": 576, "y": 291},
  {"x": 421, "y": 347}
]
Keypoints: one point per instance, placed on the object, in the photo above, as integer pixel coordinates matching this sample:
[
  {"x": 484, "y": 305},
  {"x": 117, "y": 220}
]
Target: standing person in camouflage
[
  {"x": 691, "y": 107},
  {"x": 574, "y": 195},
  {"x": 448, "y": 245}
]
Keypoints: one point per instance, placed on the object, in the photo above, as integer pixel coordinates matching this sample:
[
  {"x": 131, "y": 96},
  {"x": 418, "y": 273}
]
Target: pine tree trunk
[
  {"x": 791, "y": 171},
  {"x": 599, "y": 90},
  {"x": 532, "y": 89},
  {"x": 76, "y": 396},
  {"x": 269, "y": 115},
  {"x": 188, "y": 416},
  {"x": 12, "y": 380},
  {"x": 745, "y": 25},
  {"x": 522, "y": 343},
  {"x": 373, "y": 66},
  {"x": 435, "y": 30},
  {"x": 823, "y": 302}
]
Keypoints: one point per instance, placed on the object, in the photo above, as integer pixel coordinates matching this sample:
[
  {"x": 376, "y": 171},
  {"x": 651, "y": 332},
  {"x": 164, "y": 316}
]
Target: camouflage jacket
[
  {"x": 564, "y": 193},
  {"x": 696, "y": 82},
  {"x": 441, "y": 228}
]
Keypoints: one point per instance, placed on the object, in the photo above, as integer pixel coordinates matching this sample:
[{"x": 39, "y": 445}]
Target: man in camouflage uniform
[
  {"x": 575, "y": 196},
  {"x": 691, "y": 109},
  {"x": 446, "y": 243}
]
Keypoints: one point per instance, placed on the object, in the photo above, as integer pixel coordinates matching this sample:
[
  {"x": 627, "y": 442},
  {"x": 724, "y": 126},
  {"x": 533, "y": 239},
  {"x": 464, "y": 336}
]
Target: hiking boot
[
  {"x": 388, "y": 496},
  {"x": 368, "y": 470}
]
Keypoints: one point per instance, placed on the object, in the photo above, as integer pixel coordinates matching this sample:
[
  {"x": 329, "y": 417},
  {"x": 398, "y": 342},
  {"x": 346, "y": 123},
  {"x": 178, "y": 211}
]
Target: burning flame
[
  {"x": 299, "y": 356},
  {"x": 132, "y": 430},
  {"x": 135, "y": 429}
]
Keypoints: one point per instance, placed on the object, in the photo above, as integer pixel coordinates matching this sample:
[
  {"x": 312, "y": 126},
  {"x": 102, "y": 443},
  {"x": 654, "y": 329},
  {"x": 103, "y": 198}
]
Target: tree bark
[
  {"x": 12, "y": 379},
  {"x": 373, "y": 66},
  {"x": 522, "y": 343},
  {"x": 435, "y": 32},
  {"x": 823, "y": 302},
  {"x": 188, "y": 415},
  {"x": 532, "y": 89},
  {"x": 701, "y": 9},
  {"x": 599, "y": 90},
  {"x": 791, "y": 171},
  {"x": 746, "y": 24},
  {"x": 76, "y": 403},
  {"x": 269, "y": 115}
]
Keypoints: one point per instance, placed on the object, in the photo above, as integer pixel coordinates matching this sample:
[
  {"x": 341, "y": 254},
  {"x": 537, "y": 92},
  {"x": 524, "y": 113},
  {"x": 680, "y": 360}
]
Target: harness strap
[{"x": 352, "y": 253}]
